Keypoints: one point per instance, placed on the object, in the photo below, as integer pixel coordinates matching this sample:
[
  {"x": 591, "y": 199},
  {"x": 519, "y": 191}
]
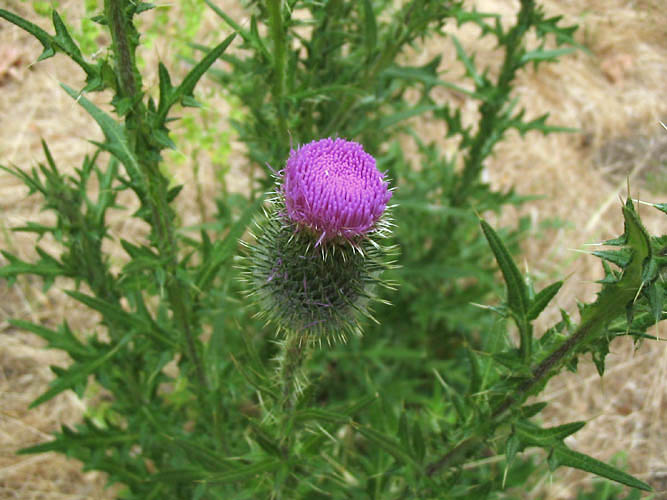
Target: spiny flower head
[
  {"x": 316, "y": 265},
  {"x": 333, "y": 188}
]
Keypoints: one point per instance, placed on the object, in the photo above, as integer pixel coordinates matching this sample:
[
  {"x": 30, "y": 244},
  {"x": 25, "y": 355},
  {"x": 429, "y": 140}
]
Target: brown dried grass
[{"x": 615, "y": 96}]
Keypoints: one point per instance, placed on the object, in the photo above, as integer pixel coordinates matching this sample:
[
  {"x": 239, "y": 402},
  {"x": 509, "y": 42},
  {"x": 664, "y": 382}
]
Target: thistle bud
[{"x": 318, "y": 257}]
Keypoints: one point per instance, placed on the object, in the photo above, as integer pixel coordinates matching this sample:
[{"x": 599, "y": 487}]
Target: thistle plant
[{"x": 416, "y": 407}]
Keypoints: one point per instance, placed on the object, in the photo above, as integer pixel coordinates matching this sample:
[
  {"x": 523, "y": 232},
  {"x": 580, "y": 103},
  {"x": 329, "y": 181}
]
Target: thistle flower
[
  {"x": 333, "y": 187},
  {"x": 317, "y": 260}
]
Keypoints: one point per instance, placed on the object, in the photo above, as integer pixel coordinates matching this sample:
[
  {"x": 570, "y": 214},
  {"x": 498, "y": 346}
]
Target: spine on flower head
[{"x": 317, "y": 260}]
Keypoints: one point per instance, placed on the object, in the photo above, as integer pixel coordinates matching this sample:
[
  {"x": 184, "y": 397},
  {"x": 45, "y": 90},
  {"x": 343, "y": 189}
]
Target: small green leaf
[
  {"x": 468, "y": 63},
  {"x": 79, "y": 372},
  {"x": 517, "y": 291},
  {"x": 542, "y": 299},
  {"x": 319, "y": 415},
  {"x": 532, "y": 435},
  {"x": 248, "y": 471},
  {"x": 44, "y": 38},
  {"x": 187, "y": 86},
  {"x": 529, "y": 411},
  {"x": 64, "y": 39},
  {"x": 571, "y": 458},
  {"x": 62, "y": 339},
  {"x": 418, "y": 444},
  {"x": 386, "y": 443},
  {"x": 403, "y": 433},
  {"x": 545, "y": 55},
  {"x": 113, "y": 132},
  {"x": 370, "y": 27},
  {"x": 512, "y": 446}
]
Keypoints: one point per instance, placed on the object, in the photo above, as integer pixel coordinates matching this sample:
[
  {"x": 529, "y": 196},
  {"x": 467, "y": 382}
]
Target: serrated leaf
[
  {"x": 545, "y": 55},
  {"x": 512, "y": 446},
  {"x": 621, "y": 258},
  {"x": 17, "y": 266},
  {"x": 517, "y": 291},
  {"x": 387, "y": 444},
  {"x": 44, "y": 38},
  {"x": 418, "y": 445},
  {"x": 114, "y": 314},
  {"x": 468, "y": 63},
  {"x": 370, "y": 27},
  {"x": 319, "y": 415},
  {"x": 62, "y": 339},
  {"x": 266, "y": 465},
  {"x": 542, "y": 299},
  {"x": 532, "y": 435},
  {"x": 529, "y": 411},
  {"x": 79, "y": 372},
  {"x": 576, "y": 460},
  {"x": 187, "y": 86},
  {"x": 64, "y": 39},
  {"x": 116, "y": 142}
]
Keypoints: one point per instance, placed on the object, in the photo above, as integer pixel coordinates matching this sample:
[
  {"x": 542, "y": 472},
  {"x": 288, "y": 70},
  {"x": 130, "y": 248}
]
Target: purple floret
[{"x": 333, "y": 187}]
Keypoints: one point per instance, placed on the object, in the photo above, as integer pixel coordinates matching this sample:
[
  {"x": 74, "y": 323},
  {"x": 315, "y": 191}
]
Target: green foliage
[{"x": 195, "y": 408}]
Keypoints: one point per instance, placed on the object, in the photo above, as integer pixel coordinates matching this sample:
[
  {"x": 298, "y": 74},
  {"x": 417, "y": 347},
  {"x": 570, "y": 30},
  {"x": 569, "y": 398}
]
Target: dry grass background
[{"x": 615, "y": 95}]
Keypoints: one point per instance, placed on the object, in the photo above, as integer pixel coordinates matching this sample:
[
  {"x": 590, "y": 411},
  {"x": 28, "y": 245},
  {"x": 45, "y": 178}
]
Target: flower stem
[{"x": 292, "y": 379}]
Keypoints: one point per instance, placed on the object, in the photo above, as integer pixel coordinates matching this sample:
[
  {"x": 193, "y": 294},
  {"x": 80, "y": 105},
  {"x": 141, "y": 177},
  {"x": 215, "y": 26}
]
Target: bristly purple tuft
[{"x": 333, "y": 187}]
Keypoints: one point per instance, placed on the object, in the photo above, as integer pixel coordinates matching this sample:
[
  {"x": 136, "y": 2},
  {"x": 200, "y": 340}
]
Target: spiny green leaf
[
  {"x": 468, "y": 63},
  {"x": 545, "y": 55},
  {"x": 62, "y": 339},
  {"x": 387, "y": 443},
  {"x": 44, "y": 38},
  {"x": 370, "y": 27},
  {"x": 113, "y": 132},
  {"x": 79, "y": 372},
  {"x": 247, "y": 471},
  {"x": 114, "y": 314},
  {"x": 512, "y": 446},
  {"x": 542, "y": 299},
  {"x": 16, "y": 266},
  {"x": 64, "y": 39},
  {"x": 571, "y": 458},
  {"x": 532, "y": 435},
  {"x": 188, "y": 84},
  {"x": 320, "y": 415},
  {"x": 517, "y": 291},
  {"x": 621, "y": 258}
]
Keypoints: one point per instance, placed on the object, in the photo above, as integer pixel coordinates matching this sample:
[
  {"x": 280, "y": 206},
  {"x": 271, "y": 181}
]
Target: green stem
[
  {"x": 122, "y": 48},
  {"x": 487, "y": 135},
  {"x": 279, "y": 51},
  {"x": 122, "y": 31},
  {"x": 295, "y": 351}
]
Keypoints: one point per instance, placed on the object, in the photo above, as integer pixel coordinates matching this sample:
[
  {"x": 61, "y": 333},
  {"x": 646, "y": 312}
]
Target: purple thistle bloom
[{"x": 333, "y": 187}]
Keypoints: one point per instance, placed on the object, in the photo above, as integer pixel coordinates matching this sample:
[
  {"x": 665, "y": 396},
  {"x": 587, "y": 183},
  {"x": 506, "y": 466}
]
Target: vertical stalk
[
  {"x": 279, "y": 52},
  {"x": 487, "y": 135},
  {"x": 295, "y": 350},
  {"x": 156, "y": 187}
]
